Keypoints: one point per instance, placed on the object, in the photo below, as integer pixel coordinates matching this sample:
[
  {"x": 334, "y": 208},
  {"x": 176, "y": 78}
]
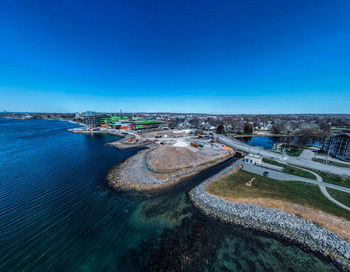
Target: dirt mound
[{"x": 171, "y": 158}]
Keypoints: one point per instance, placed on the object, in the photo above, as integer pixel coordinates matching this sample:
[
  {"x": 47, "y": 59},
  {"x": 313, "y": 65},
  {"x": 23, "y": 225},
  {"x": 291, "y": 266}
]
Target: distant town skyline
[{"x": 222, "y": 57}]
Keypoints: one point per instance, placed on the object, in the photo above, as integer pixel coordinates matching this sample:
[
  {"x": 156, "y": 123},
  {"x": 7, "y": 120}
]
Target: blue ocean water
[{"x": 57, "y": 213}]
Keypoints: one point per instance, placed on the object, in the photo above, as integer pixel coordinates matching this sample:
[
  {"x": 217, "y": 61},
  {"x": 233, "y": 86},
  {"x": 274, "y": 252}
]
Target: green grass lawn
[
  {"x": 294, "y": 153},
  {"x": 333, "y": 179},
  {"x": 331, "y": 163},
  {"x": 342, "y": 197},
  {"x": 298, "y": 192},
  {"x": 288, "y": 169}
]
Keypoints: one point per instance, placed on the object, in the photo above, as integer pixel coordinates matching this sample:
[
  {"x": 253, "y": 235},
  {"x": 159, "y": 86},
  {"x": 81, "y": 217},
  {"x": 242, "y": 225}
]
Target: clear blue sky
[{"x": 175, "y": 56}]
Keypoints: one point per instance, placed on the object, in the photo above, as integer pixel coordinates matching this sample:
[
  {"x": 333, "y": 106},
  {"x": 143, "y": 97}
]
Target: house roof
[
  {"x": 141, "y": 122},
  {"x": 255, "y": 156}
]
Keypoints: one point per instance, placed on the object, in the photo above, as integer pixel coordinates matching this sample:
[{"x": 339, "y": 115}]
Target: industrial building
[
  {"x": 147, "y": 124},
  {"x": 116, "y": 122},
  {"x": 121, "y": 122},
  {"x": 94, "y": 121},
  {"x": 338, "y": 146}
]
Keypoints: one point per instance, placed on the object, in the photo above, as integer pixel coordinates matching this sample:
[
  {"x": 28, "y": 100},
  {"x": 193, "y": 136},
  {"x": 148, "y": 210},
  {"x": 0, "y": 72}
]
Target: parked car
[{"x": 266, "y": 174}]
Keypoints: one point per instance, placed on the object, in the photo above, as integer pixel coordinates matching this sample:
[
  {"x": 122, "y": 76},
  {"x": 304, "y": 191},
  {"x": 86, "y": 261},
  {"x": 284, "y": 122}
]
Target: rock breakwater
[{"x": 288, "y": 226}]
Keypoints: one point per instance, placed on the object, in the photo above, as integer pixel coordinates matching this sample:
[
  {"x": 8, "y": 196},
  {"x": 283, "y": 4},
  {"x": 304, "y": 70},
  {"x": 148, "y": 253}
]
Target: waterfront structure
[
  {"x": 125, "y": 122},
  {"x": 116, "y": 121},
  {"x": 117, "y": 118},
  {"x": 147, "y": 124},
  {"x": 338, "y": 146},
  {"x": 95, "y": 121},
  {"x": 253, "y": 159}
]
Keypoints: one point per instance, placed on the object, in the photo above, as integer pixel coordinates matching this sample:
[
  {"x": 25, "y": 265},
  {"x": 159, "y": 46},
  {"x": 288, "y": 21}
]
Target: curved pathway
[
  {"x": 324, "y": 189},
  {"x": 288, "y": 177},
  {"x": 273, "y": 221}
]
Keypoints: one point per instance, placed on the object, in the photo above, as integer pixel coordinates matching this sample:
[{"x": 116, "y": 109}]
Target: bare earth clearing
[
  {"x": 171, "y": 158},
  {"x": 160, "y": 167}
]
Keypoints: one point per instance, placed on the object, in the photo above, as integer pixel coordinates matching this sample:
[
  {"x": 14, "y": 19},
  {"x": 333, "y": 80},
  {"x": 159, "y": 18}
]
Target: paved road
[
  {"x": 304, "y": 162},
  {"x": 324, "y": 157},
  {"x": 309, "y": 155},
  {"x": 287, "y": 177}
]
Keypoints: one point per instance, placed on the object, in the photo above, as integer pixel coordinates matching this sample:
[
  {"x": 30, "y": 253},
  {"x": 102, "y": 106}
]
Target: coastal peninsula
[
  {"x": 168, "y": 158},
  {"x": 290, "y": 210}
]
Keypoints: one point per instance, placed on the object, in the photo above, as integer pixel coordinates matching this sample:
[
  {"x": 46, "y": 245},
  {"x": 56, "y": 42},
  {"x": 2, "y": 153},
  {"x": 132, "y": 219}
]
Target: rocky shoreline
[
  {"x": 276, "y": 222},
  {"x": 134, "y": 174},
  {"x": 121, "y": 144}
]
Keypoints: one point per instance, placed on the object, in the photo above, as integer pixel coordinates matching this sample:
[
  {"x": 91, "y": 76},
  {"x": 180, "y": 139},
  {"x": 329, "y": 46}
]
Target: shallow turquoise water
[{"x": 57, "y": 213}]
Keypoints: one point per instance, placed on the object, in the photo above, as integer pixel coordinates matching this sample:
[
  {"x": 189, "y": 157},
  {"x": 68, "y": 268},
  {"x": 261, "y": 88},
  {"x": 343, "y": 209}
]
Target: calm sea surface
[{"x": 57, "y": 213}]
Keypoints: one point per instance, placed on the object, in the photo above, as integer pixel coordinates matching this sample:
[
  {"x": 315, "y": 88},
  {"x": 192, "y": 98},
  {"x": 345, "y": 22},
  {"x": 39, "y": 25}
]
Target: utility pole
[
  {"x": 250, "y": 142},
  {"x": 329, "y": 149}
]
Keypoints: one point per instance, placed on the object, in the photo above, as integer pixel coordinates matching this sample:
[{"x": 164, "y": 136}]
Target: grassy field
[
  {"x": 291, "y": 169},
  {"x": 294, "y": 153},
  {"x": 342, "y": 197},
  {"x": 332, "y": 163},
  {"x": 333, "y": 179},
  {"x": 234, "y": 187}
]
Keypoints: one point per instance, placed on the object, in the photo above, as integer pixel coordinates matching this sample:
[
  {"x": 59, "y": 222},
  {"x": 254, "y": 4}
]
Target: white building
[
  {"x": 257, "y": 160},
  {"x": 253, "y": 159}
]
